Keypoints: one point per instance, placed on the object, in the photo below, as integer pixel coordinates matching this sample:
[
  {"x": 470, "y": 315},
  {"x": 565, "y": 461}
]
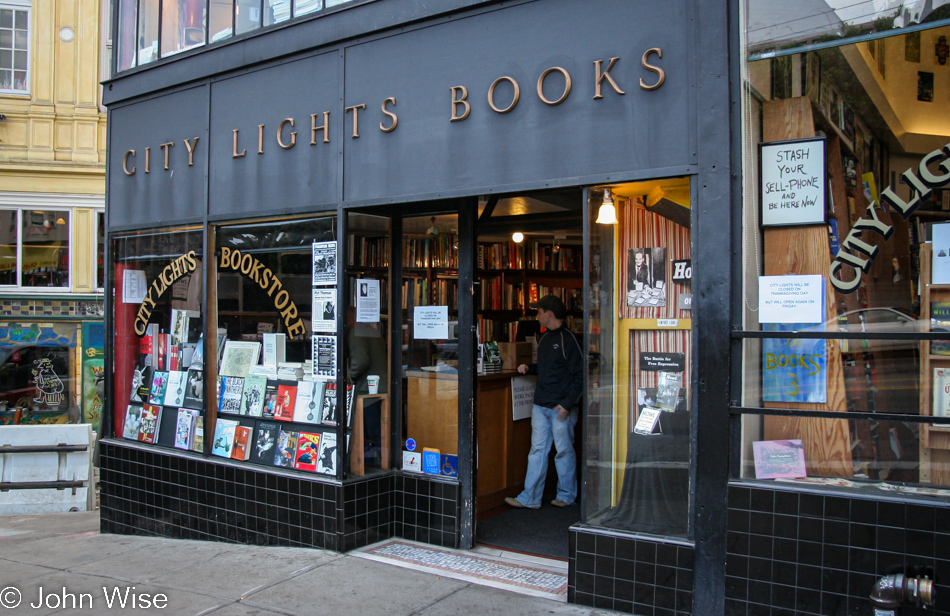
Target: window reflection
[
  {"x": 148, "y": 31},
  {"x": 45, "y": 249},
  {"x": 247, "y": 15}
]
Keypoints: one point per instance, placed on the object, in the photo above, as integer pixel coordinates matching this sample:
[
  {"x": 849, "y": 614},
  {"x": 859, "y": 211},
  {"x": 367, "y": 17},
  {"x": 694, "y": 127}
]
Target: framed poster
[
  {"x": 324, "y": 263},
  {"x": 792, "y": 182}
]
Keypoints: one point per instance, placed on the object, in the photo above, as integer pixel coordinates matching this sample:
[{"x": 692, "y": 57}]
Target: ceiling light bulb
[
  {"x": 517, "y": 237},
  {"x": 607, "y": 214}
]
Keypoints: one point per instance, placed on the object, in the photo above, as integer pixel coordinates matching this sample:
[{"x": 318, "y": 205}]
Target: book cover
[
  {"x": 941, "y": 395},
  {"x": 198, "y": 441},
  {"x": 328, "y": 410},
  {"x": 150, "y": 423},
  {"x": 646, "y": 421},
  {"x": 141, "y": 384},
  {"x": 185, "y": 428},
  {"x": 286, "y": 398},
  {"x": 198, "y": 357},
  {"x": 308, "y": 447},
  {"x": 668, "y": 390},
  {"x": 133, "y": 417},
  {"x": 286, "y": 450},
  {"x": 182, "y": 324},
  {"x": 194, "y": 389},
  {"x": 309, "y": 401},
  {"x": 175, "y": 388},
  {"x": 242, "y": 443},
  {"x": 779, "y": 459},
  {"x": 326, "y": 461},
  {"x": 252, "y": 400},
  {"x": 230, "y": 397},
  {"x": 275, "y": 349},
  {"x": 350, "y": 397},
  {"x": 265, "y": 443},
  {"x": 270, "y": 399},
  {"x": 223, "y": 441},
  {"x": 239, "y": 356},
  {"x": 157, "y": 393},
  {"x": 160, "y": 352}
]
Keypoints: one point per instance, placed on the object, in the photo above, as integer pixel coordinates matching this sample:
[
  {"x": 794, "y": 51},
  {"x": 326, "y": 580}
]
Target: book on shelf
[
  {"x": 194, "y": 389},
  {"x": 198, "y": 441},
  {"x": 286, "y": 450},
  {"x": 242, "y": 443},
  {"x": 270, "y": 399},
  {"x": 185, "y": 428},
  {"x": 159, "y": 382},
  {"x": 150, "y": 423},
  {"x": 265, "y": 443},
  {"x": 133, "y": 417},
  {"x": 183, "y": 325},
  {"x": 275, "y": 349},
  {"x": 198, "y": 357},
  {"x": 286, "y": 398},
  {"x": 646, "y": 421},
  {"x": 223, "y": 441},
  {"x": 308, "y": 447},
  {"x": 160, "y": 351},
  {"x": 141, "y": 384},
  {"x": 326, "y": 460},
  {"x": 309, "y": 401},
  {"x": 252, "y": 399},
  {"x": 229, "y": 399},
  {"x": 941, "y": 392},
  {"x": 668, "y": 390},
  {"x": 350, "y": 398},
  {"x": 175, "y": 388},
  {"x": 239, "y": 356},
  {"x": 328, "y": 409}
]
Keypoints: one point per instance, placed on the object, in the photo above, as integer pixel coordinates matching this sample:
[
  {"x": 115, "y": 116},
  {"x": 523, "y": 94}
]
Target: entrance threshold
[{"x": 520, "y": 573}]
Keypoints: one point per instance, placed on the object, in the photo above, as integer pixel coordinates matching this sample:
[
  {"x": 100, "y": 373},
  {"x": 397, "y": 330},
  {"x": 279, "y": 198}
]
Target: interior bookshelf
[{"x": 935, "y": 370}]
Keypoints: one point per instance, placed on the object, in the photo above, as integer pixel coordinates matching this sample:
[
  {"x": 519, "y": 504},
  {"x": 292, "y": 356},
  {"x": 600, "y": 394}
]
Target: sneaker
[
  {"x": 514, "y": 502},
  {"x": 559, "y": 503}
]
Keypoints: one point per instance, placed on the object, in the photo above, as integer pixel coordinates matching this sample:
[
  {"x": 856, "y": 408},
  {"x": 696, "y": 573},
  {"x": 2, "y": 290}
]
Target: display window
[
  {"x": 846, "y": 229},
  {"x": 35, "y": 248},
  {"x": 639, "y": 332}
]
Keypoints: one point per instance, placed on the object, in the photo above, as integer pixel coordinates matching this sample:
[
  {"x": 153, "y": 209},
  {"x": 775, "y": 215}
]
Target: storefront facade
[{"x": 343, "y": 185}]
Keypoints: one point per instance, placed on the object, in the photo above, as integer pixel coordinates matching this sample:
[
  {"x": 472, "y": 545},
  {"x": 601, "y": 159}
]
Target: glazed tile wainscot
[
  {"x": 184, "y": 495},
  {"x": 821, "y": 552}
]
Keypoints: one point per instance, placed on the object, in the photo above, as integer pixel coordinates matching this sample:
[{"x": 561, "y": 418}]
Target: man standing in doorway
[{"x": 560, "y": 371}]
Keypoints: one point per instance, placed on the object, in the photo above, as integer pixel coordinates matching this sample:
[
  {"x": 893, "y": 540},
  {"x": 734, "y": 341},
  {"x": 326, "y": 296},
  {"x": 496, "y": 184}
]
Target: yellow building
[{"x": 52, "y": 209}]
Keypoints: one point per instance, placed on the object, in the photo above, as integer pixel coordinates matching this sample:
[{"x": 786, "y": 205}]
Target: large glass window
[
  {"x": 15, "y": 48},
  {"x": 35, "y": 248},
  {"x": 639, "y": 333},
  {"x": 845, "y": 221}
]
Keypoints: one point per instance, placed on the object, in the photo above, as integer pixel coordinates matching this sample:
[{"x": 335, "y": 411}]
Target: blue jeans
[{"x": 545, "y": 429}]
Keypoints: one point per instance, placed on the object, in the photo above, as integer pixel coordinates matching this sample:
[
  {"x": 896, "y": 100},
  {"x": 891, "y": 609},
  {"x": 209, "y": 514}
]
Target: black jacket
[{"x": 560, "y": 370}]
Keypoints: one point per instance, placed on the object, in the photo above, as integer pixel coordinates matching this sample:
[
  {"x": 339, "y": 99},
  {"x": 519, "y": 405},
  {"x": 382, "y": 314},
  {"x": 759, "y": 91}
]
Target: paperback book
[
  {"x": 252, "y": 400},
  {"x": 185, "y": 428},
  {"x": 242, "y": 443},
  {"x": 668, "y": 390},
  {"x": 270, "y": 399},
  {"x": 286, "y": 398},
  {"x": 309, "y": 401},
  {"x": 141, "y": 384},
  {"x": 198, "y": 442},
  {"x": 194, "y": 389},
  {"x": 308, "y": 448},
  {"x": 223, "y": 441},
  {"x": 175, "y": 388},
  {"x": 150, "y": 423},
  {"x": 265, "y": 443},
  {"x": 239, "y": 356},
  {"x": 326, "y": 461},
  {"x": 230, "y": 397},
  {"x": 328, "y": 411},
  {"x": 159, "y": 382},
  {"x": 941, "y": 395},
  {"x": 286, "y": 451},
  {"x": 133, "y": 417}
]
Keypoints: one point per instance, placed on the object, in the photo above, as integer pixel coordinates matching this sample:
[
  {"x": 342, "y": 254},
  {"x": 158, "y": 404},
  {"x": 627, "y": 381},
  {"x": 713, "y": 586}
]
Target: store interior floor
[{"x": 542, "y": 532}]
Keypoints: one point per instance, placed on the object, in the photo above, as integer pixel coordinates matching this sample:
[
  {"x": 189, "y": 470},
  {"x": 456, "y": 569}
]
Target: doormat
[{"x": 487, "y": 569}]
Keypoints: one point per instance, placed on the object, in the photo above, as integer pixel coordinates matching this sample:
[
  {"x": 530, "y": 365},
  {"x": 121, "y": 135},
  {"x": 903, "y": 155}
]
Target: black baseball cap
[{"x": 552, "y": 303}]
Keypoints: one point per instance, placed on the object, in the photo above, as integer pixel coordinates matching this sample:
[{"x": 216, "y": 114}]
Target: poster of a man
[{"x": 646, "y": 277}]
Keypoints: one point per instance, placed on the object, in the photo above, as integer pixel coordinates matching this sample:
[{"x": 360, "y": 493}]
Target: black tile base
[{"x": 630, "y": 573}]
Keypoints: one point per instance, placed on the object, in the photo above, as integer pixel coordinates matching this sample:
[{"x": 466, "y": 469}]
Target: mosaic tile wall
[
  {"x": 804, "y": 553},
  {"x": 47, "y": 308},
  {"x": 427, "y": 510},
  {"x": 616, "y": 571}
]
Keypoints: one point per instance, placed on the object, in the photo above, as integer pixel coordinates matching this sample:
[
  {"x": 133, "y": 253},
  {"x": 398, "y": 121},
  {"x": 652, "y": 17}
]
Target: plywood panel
[{"x": 800, "y": 251}]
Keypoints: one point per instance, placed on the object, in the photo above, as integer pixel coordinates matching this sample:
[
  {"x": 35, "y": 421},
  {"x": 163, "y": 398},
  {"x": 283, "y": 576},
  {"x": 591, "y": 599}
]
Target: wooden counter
[{"x": 503, "y": 443}]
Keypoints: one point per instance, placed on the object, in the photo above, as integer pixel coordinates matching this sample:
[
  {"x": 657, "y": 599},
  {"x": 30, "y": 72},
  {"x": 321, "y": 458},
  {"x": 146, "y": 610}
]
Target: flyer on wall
[
  {"x": 324, "y": 356},
  {"x": 367, "y": 300},
  {"x": 324, "y": 309},
  {"x": 324, "y": 263}
]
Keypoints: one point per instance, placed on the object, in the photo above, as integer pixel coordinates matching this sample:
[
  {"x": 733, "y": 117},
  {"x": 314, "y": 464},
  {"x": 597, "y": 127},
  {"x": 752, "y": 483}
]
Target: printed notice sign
[
  {"x": 134, "y": 286},
  {"x": 774, "y": 459},
  {"x": 431, "y": 322},
  {"x": 367, "y": 300},
  {"x": 791, "y": 299},
  {"x": 941, "y": 254},
  {"x": 522, "y": 396},
  {"x": 794, "y": 369},
  {"x": 792, "y": 180}
]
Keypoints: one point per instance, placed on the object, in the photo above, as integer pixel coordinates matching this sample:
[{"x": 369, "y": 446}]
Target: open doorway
[{"x": 528, "y": 247}]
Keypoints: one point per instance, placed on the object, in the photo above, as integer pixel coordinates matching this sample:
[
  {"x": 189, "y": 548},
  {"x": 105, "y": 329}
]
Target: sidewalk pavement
[{"x": 61, "y": 564}]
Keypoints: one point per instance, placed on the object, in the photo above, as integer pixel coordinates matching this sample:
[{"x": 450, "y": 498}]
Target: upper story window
[
  {"x": 14, "y": 48},
  {"x": 35, "y": 248},
  {"x": 152, "y": 29}
]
